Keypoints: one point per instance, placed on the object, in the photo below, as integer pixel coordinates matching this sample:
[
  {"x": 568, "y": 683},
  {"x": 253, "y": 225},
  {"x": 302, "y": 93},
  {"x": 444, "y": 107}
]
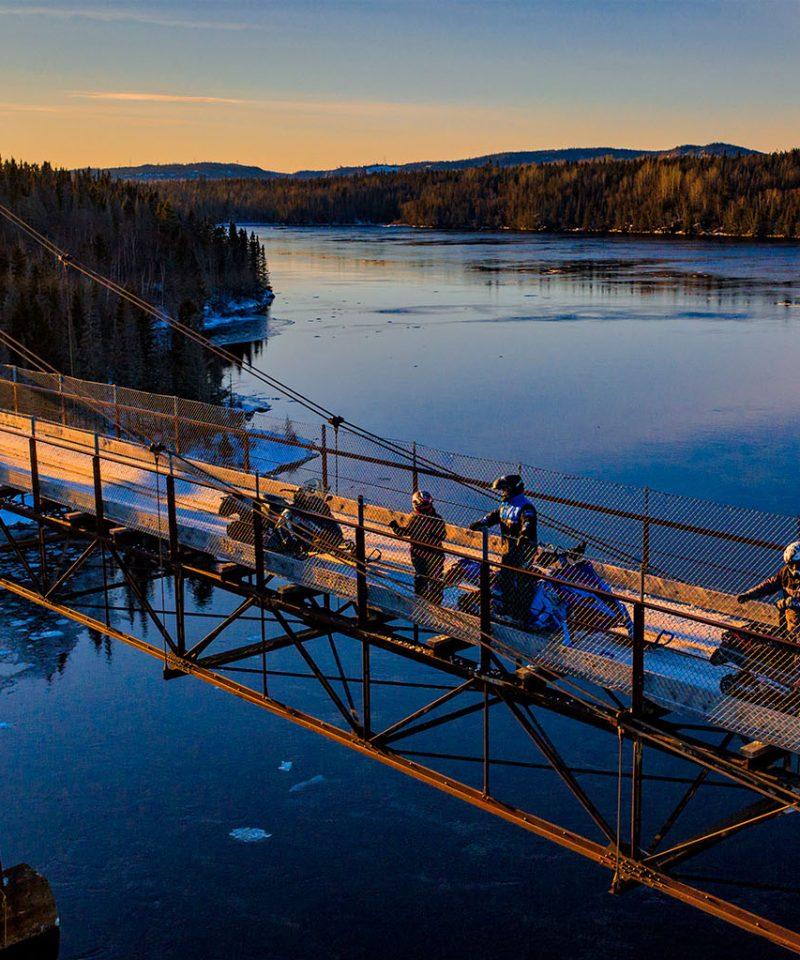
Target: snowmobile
[
  {"x": 584, "y": 609},
  {"x": 240, "y": 511},
  {"x": 554, "y": 606},
  {"x": 767, "y": 674},
  {"x": 299, "y": 524}
]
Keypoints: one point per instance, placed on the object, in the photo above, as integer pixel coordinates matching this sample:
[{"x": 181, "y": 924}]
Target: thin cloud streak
[
  {"x": 310, "y": 106},
  {"x": 119, "y": 16},
  {"x": 28, "y": 108},
  {"x": 132, "y": 97}
]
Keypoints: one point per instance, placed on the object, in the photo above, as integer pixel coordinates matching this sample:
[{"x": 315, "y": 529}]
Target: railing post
[
  {"x": 637, "y": 707},
  {"x": 485, "y": 582},
  {"x": 258, "y": 548},
  {"x": 177, "y": 425},
  {"x": 175, "y": 560},
  {"x": 324, "y": 453},
  {"x": 99, "y": 512},
  {"x": 645, "y": 544},
  {"x": 63, "y": 402},
  {"x": 637, "y": 659},
  {"x": 35, "y": 492},
  {"x": 414, "y": 471},
  {"x": 117, "y": 423},
  {"x": 362, "y": 615},
  {"x": 361, "y": 566},
  {"x": 246, "y": 451},
  {"x": 36, "y": 497},
  {"x": 14, "y": 389}
]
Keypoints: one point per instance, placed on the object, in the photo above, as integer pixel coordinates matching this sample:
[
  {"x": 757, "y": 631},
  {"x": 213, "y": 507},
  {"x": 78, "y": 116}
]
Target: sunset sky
[{"x": 301, "y": 84}]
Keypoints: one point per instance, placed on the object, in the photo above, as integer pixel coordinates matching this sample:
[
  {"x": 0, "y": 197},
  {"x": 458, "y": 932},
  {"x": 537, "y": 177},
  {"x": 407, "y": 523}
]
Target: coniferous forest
[
  {"x": 178, "y": 261},
  {"x": 751, "y": 196}
]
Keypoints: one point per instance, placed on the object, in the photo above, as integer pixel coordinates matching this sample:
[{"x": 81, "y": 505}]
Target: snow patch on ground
[
  {"x": 237, "y": 306},
  {"x": 221, "y": 310}
]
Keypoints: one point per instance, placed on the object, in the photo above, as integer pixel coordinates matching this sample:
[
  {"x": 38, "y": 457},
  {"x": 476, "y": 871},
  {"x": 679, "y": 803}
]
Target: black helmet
[{"x": 509, "y": 485}]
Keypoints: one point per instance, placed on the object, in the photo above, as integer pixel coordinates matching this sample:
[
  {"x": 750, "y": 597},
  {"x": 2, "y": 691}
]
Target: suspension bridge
[
  {"x": 120, "y": 489},
  {"x": 633, "y": 656}
]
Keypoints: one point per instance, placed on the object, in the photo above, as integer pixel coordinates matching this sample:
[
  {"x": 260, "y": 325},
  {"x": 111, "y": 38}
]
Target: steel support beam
[
  {"x": 755, "y": 813},
  {"x": 177, "y": 569},
  {"x": 548, "y": 750},
  {"x": 626, "y": 867},
  {"x": 385, "y": 735}
]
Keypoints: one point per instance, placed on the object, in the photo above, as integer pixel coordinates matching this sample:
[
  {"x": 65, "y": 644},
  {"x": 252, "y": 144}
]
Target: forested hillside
[
  {"x": 135, "y": 236},
  {"x": 743, "y": 196}
]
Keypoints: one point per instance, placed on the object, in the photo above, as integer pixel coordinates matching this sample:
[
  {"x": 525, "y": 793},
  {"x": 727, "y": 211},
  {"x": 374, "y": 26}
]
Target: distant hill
[
  {"x": 237, "y": 171},
  {"x": 194, "y": 171}
]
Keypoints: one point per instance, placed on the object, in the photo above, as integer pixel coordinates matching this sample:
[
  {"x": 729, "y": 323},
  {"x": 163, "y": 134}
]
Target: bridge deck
[{"x": 678, "y": 674}]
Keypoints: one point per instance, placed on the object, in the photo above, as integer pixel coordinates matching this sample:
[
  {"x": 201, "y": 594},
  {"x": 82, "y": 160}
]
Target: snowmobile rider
[
  {"x": 787, "y": 581},
  {"x": 426, "y": 531},
  {"x": 517, "y": 518}
]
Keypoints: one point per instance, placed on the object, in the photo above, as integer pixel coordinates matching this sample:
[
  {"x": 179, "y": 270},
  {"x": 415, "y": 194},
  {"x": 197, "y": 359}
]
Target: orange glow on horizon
[{"x": 110, "y": 128}]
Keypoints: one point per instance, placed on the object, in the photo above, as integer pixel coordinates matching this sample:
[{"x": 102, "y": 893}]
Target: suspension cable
[{"x": 220, "y": 351}]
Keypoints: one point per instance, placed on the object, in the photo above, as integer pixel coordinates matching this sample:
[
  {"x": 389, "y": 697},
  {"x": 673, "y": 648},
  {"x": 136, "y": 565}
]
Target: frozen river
[
  {"x": 665, "y": 363},
  {"x": 671, "y": 364}
]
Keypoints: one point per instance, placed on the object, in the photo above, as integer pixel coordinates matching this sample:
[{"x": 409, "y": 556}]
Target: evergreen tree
[{"x": 138, "y": 237}]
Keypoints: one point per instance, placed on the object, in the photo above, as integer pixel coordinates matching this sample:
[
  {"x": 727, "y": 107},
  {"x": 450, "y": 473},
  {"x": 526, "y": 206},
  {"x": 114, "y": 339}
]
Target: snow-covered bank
[
  {"x": 238, "y": 319},
  {"x": 219, "y": 309}
]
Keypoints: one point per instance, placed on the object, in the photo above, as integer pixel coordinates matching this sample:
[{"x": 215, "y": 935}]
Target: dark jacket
[
  {"x": 785, "y": 580},
  {"x": 426, "y": 531},
  {"x": 517, "y": 519},
  {"x": 312, "y": 514}
]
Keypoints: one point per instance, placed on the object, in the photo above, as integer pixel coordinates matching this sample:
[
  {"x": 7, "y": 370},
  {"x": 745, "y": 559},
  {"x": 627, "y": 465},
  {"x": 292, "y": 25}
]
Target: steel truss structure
[{"x": 297, "y": 617}]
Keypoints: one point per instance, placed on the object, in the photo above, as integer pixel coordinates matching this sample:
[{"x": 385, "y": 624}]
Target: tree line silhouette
[
  {"x": 749, "y": 196},
  {"x": 133, "y": 234}
]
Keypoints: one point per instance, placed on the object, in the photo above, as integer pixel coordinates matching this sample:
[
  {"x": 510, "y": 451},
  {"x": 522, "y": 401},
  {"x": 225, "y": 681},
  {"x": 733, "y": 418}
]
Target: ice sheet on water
[
  {"x": 285, "y": 766},
  {"x": 303, "y": 784},
  {"x": 249, "y": 834}
]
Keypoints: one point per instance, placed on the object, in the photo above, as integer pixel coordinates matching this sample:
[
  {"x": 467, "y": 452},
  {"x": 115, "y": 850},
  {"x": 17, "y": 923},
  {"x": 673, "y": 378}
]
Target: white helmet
[{"x": 792, "y": 553}]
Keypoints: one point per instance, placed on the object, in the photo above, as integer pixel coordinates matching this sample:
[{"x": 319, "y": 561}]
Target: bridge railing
[
  {"x": 579, "y": 625},
  {"x": 646, "y": 542}
]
